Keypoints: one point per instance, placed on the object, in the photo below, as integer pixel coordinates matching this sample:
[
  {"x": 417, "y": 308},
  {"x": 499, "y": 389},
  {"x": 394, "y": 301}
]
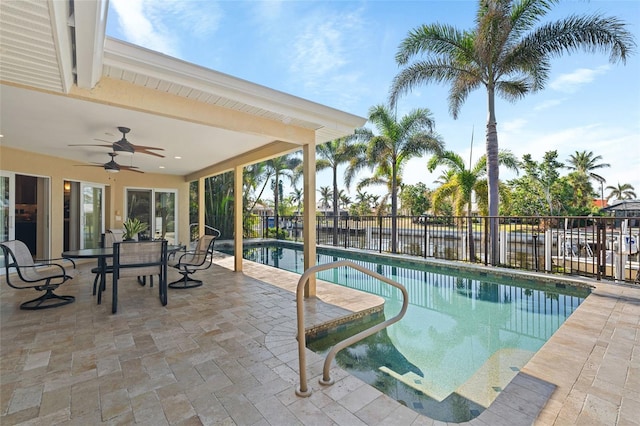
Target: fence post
[
  {"x": 486, "y": 240},
  {"x": 426, "y": 241},
  {"x": 503, "y": 246},
  {"x": 346, "y": 235},
  {"x": 380, "y": 234},
  {"x": 548, "y": 244},
  {"x": 535, "y": 250}
]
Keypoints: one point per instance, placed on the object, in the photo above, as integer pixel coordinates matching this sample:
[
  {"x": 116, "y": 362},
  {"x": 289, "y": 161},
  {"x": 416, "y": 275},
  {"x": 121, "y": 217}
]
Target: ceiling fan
[
  {"x": 126, "y": 147},
  {"x": 112, "y": 166}
]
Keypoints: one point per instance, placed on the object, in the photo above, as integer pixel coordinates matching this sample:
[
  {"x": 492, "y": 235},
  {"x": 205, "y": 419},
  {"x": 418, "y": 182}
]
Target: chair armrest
[{"x": 56, "y": 258}]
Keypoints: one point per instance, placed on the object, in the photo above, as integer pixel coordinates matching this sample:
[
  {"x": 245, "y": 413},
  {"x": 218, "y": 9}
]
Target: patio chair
[
  {"x": 139, "y": 258},
  {"x": 110, "y": 237},
  {"x": 192, "y": 261},
  {"x": 42, "y": 276}
]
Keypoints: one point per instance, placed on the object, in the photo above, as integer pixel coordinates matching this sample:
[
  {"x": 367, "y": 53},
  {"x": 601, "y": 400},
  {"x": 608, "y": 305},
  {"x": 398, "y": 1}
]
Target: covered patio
[{"x": 66, "y": 90}]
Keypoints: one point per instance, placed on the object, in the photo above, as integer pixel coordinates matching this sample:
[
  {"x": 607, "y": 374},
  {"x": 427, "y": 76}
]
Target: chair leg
[
  {"x": 41, "y": 302},
  {"x": 185, "y": 282},
  {"x": 95, "y": 283}
]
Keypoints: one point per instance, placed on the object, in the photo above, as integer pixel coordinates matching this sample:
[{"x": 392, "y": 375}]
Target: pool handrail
[{"x": 303, "y": 390}]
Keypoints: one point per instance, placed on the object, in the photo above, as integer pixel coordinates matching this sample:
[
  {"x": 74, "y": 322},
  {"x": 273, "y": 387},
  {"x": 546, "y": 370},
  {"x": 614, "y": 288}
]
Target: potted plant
[{"x": 133, "y": 226}]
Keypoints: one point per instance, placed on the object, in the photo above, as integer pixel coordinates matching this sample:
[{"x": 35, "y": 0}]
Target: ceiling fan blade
[
  {"x": 142, "y": 147},
  {"x": 103, "y": 146},
  {"x": 144, "y": 151},
  {"x": 130, "y": 168}
]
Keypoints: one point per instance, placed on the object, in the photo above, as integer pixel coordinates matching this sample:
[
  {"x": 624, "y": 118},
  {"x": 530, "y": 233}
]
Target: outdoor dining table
[{"x": 102, "y": 254}]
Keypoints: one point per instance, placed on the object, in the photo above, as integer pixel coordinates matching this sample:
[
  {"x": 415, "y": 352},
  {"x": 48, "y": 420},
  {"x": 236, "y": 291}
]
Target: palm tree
[
  {"x": 462, "y": 183},
  {"x": 626, "y": 191},
  {"x": 345, "y": 200},
  {"x": 585, "y": 162},
  {"x": 276, "y": 168},
  {"x": 297, "y": 197},
  {"x": 331, "y": 155},
  {"x": 325, "y": 195},
  {"x": 397, "y": 142},
  {"x": 507, "y": 55},
  {"x": 253, "y": 176}
]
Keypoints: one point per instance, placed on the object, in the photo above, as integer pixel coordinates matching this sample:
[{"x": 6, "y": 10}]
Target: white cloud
[
  {"x": 570, "y": 83},
  {"x": 548, "y": 104},
  {"x": 512, "y": 126},
  {"x": 154, "y": 24}
]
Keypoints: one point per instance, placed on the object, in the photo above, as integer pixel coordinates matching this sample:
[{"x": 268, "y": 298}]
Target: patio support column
[
  {"x": 237, "y": 220},
  {"x": 309, "y": 216},
  {"x": 201, "y": 209}
]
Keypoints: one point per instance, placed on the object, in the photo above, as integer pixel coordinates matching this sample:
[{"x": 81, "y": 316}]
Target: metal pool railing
[
  {"x": 602, "y": 247},
  {"x": 303, "y": 390}
]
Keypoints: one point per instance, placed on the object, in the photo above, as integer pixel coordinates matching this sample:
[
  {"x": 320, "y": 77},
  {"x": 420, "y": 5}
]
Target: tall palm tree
[
  {"x": 325, "y": 195},
  {"x": 626, "y": 191},
  {"x": 379, "y": 203},
  {"x": 332, "y": 155},
  {"x": 462, "y": 182},
  {"x": 277, "y": 168},
  {"x": 297, "y": 197},
  {"x": 345, "y": 200},
  {"x": 507, "y": 54},
  {"x": 396, "y": 143},
  {"x": 585, "y": 163}
]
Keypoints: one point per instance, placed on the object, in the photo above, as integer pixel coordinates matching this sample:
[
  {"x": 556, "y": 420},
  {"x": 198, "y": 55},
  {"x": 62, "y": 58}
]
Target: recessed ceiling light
[
  {"x": 177, "y": 157},
  {"x": 162, "y": 167}
]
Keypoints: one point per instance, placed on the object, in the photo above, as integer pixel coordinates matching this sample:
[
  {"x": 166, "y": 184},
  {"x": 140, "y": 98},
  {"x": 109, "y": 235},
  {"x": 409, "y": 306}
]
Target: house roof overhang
[{"x": 63, "y": 82}]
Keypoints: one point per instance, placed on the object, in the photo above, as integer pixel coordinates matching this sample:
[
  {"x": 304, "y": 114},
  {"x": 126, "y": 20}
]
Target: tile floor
[{"x": 225, "y": 354}]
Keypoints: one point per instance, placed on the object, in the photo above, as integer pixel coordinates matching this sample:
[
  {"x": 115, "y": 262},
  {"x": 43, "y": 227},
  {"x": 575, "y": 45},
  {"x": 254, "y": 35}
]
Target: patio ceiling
[{"x": 64, "y": 83}]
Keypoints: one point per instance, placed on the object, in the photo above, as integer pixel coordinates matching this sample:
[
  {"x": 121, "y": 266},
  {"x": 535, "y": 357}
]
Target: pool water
[{"x": 462, "y": 340}]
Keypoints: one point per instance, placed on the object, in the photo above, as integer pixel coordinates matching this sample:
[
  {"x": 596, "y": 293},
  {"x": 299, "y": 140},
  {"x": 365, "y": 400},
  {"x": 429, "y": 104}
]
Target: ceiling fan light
[{"x": 112, "y": 170}]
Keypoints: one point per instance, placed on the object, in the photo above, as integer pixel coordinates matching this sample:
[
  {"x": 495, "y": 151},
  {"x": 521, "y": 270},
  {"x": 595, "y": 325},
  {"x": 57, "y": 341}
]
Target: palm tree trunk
[
  {"x": 493, "y": 177},
  {"x": 335, "y": 206}
]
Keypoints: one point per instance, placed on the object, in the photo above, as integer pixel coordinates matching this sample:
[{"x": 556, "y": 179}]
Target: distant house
[
  {"x": 625, "y": 209},
  {"x": 262, "y": 210}
]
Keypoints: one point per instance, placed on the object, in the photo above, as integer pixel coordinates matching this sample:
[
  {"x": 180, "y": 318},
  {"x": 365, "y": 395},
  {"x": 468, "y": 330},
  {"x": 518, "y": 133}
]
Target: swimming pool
[{"x": 462, "y": 340}]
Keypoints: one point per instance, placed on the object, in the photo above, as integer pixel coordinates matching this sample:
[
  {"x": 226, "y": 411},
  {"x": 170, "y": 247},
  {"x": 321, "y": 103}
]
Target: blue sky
[{"x": 341, "y": 54}]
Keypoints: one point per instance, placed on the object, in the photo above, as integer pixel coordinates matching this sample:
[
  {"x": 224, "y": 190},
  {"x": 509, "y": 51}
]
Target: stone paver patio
[{"x": 225, "y": 354}]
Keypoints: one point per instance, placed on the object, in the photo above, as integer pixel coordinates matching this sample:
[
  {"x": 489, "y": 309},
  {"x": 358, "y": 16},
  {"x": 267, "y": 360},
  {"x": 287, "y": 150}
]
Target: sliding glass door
[
  {"x": 91, "y": 215},
  {"x": 8, "y": 206},
  {"x": 24, "y": 211},
  {"x": 157, "y": 208}
]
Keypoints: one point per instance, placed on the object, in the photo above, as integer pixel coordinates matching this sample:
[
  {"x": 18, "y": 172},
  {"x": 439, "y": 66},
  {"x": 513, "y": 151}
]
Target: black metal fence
[{"x": 600, "y": 247}]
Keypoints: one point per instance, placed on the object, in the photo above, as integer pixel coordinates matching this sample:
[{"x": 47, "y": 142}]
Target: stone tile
[
  {"x": 275, "y": 412},
  {"x": 114, "y": 404},
  {"x": 24, "y": 398},
  {"x": 55, "y": 401},
  {"x": 597, "y": 411}
]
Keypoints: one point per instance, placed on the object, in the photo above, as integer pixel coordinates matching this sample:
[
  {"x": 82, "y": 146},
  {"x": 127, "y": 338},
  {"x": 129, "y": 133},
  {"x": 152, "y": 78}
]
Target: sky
[{"x": 342, "y": 54}]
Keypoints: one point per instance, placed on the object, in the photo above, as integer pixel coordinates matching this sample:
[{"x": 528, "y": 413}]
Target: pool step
[{"x": 494, "y": 375}]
